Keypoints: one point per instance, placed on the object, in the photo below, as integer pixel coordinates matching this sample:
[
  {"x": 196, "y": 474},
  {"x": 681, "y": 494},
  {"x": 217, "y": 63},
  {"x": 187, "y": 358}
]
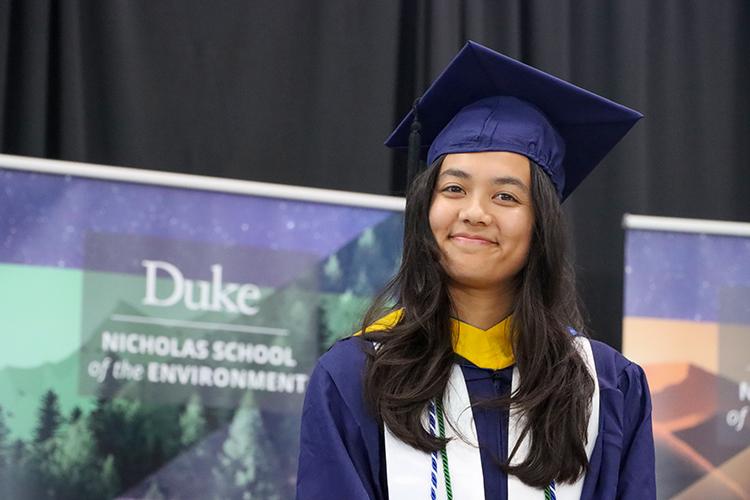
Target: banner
[
  {"x": 157, "y": 340},
  {"x": 687, "y": 322}
]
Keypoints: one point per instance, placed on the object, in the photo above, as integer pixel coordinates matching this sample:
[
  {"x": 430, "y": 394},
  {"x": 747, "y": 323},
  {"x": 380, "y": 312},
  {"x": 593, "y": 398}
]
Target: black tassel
[{"x": 415, "y": 146}]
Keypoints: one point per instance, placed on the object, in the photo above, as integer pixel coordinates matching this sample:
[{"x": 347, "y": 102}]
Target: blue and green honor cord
[
  {"x": 437, "y": 418},
  {"x": 436, "y": 413}
]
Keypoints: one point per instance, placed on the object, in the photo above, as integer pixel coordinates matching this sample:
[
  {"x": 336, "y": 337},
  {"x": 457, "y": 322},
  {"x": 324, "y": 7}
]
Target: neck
[{"x": 482, "y": 308}]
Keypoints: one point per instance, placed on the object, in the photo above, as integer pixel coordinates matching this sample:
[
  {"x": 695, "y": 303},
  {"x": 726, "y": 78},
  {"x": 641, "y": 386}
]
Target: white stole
[{"x": 409, "y": 470}]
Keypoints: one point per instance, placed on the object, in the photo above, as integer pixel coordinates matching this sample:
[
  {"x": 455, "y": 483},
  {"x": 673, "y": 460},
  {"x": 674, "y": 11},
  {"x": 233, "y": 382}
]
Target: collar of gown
[{"x": 491, "y": 348}]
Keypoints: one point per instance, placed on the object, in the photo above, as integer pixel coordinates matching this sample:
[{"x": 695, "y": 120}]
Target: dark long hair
[{"x": 414, "y": 358}]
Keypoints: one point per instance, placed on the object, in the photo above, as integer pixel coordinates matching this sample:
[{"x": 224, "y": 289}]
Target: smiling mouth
[{"x": 471, "y": 239}]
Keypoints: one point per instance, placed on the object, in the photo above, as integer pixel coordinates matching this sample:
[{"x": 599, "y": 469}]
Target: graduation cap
[{"x": 485, "y": 101}]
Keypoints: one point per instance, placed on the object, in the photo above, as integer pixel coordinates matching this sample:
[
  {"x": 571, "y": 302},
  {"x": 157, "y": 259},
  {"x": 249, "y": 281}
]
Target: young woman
[{"x": 480, "y": 381}]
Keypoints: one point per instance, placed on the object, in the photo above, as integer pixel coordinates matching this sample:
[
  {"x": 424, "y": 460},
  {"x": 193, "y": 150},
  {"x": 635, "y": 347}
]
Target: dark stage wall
[{"x": 305, "y": 92}]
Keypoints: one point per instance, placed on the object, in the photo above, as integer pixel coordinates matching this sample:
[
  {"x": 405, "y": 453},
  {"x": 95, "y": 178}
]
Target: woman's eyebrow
[
  {"x": 515, "y": 181},
  {"x": 455, "y": 173}
]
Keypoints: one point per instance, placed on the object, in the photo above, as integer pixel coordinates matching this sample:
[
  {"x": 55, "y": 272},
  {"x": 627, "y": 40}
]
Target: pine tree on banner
[
  {"x": 4, "y": 445},
  {"x": 5, "y": 457},
  {"x": 74, "y": 465},
  {"x": 246, "y": 462},
  {"x": 192, "y": 422},
  {"x": 332, "y": 270},
  {"x": 118, "y": 423},
  {"x": 75, "y": 414},
  {"x": 14, "y": 483},
  {"x": 49, "y": 417},
  {"x": 110, "y": 482},
  {"x": 40, "y": 464},
  {"x": 154, "y": 492}
]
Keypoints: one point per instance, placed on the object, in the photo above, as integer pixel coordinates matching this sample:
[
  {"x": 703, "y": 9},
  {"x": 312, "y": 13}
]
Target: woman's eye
[
  {"x": 505, "y": 197},
  {"x": 453, "y": 189}
]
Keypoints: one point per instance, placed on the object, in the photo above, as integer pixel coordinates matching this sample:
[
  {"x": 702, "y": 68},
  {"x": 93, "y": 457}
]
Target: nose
[{"x": 474, "y": 212}]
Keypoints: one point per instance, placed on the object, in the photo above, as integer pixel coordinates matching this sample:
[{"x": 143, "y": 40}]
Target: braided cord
[
  {"x": 444, "y": 451},
  {"x": 433, "y": 457},
  {"x": 549, "y": 491},
  {"x": 436, "y": 416}
]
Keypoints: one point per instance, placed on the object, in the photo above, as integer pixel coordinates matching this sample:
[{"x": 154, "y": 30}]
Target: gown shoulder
[
  {"x": 346, "y": 357},
  {"x": 611, "y": 365},
  {"x": 339, "y": 439},
  {"x": 624, "y": 456}
]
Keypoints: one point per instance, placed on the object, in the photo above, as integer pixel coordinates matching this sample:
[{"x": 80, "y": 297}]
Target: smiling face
[{"x": 482, "y": 218}]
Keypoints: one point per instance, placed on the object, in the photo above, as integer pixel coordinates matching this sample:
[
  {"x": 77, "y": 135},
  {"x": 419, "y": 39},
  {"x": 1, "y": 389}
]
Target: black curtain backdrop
[{"x": 304, "y": 93}]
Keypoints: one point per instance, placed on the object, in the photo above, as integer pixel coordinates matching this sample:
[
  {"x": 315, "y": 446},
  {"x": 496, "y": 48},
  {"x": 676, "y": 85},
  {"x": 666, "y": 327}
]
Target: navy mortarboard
[{"x": 485, "y": 101}]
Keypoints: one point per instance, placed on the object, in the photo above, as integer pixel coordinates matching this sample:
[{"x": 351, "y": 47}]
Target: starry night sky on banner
[
  {"x": 701, "y": 267},
  {"x": 59, "y": 210}
]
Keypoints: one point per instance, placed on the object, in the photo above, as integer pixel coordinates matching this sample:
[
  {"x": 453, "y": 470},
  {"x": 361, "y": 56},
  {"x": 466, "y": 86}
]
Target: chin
[
  {"x": 476, "y": 281},
  {"x": 481, "y": 277}
]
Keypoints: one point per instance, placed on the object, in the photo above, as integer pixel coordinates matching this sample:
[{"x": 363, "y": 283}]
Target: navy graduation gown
[{"x": 341, "y": 443}]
